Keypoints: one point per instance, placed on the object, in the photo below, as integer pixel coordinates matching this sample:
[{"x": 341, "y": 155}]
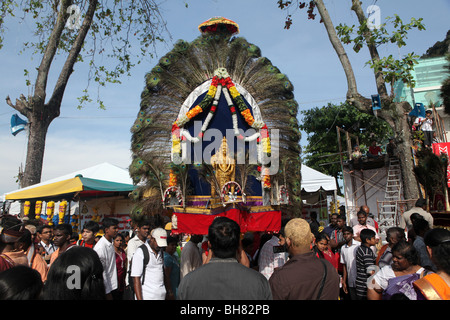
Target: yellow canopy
[
  {"x": 48, "y": 190},
  {"x": 85, "y": 186}
]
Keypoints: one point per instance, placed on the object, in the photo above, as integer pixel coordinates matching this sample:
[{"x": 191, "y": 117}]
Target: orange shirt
[
  {"x": 433, "y": 287},
  {"x": 40, "y": 265}
]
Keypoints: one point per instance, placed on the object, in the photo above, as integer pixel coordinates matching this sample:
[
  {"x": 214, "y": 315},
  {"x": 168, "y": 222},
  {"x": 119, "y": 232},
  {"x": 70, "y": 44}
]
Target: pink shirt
[{"x": 357, "y": 230}]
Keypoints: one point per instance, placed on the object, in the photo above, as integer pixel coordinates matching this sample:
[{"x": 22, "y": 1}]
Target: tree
[
  {"x": 439, "y": 49},
  {"x": 322, "y": 151},
  {"x": 445, "y": 89},
  {"x": 386, "y": 70},
  {"x": 78, "y": 30}
]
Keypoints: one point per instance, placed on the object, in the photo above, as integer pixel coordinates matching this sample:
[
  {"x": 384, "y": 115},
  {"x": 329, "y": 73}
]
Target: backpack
[{"x": 146, "y": 260}]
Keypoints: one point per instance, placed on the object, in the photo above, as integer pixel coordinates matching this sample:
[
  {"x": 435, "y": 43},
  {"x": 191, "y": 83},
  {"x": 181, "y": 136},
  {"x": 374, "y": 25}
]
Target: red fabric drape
[{"x": 269, "y": 221}]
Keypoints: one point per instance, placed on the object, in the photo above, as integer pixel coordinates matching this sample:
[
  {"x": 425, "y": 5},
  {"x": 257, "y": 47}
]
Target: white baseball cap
[{"x": 160, "y": 236}]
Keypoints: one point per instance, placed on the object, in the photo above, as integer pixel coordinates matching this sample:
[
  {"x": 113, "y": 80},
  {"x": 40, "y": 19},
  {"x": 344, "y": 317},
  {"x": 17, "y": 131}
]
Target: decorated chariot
[{"x": 216, "y": 135}]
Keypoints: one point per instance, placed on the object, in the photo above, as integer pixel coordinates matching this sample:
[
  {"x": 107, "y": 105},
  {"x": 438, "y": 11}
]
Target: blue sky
[{"x": 82, "y": 138}]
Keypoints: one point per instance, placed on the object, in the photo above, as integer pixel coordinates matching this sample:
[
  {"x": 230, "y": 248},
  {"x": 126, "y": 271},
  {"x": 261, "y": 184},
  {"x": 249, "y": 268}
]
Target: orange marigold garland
[
  {"x": 172, "y": 179},
  {"x": 221, "y": 83}
]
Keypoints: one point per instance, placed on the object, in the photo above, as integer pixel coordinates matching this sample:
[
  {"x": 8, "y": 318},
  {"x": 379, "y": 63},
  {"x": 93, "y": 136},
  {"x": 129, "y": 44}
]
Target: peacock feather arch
[{"x": 224, "y": 82}]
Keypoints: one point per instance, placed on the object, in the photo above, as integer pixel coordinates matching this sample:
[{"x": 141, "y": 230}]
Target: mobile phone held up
[{"x": 279, "y": 249}]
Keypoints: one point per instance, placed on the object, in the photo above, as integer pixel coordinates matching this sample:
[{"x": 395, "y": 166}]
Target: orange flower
[
  {"x": 172, "y": 179},
  {"x": 266, "y": 181},
  {"x": 248, "y": 116},
  {"x": 193, "y": 112}
]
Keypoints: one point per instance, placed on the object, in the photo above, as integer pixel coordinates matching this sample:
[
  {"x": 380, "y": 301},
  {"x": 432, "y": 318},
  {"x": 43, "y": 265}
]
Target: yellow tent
[{"x": 86, "y": 187}]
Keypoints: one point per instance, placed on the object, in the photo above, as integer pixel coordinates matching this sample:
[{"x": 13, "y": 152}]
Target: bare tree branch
[
  {"x": 379, "y": 78},
  {"x": 353, "y": 96},
  {"x": 67, "y": 69},
  {"x": 50, "y": 51}
]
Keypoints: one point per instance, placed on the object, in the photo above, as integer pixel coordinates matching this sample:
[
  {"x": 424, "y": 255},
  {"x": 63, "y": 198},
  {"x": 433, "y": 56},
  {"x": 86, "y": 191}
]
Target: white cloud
[{"x": 62, "y": 155}]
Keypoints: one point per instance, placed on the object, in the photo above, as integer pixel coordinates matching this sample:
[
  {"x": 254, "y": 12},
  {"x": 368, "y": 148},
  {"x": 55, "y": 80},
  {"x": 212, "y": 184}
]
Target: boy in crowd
[
  {"x": 348, "y": 260},
  {"x": 88, "y": 234},
  {"x": 364, "y": 259}
]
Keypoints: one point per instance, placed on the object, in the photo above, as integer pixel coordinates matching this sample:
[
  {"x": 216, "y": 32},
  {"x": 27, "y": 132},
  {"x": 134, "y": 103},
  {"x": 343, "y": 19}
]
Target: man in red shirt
[{"x": 374, "y": 151}]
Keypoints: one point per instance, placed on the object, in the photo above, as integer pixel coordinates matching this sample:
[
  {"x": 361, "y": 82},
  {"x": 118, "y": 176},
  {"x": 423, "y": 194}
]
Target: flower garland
[
  {"x": 38, "y": 210},
  {"x": 170, "y": 190},
  {"x": 265, "y": 177},
  {"x": 283, "y": 193},
  {"x": 62, "y": 211},
  {"x": 213, "y": 96},
  {"x": 226, "y": 189},
  {"x": 172, "y": 179},
  {"x": 26, "y": 208},
  {"x": 222, "y": 83},
  {"x": 49, "y": 211}
]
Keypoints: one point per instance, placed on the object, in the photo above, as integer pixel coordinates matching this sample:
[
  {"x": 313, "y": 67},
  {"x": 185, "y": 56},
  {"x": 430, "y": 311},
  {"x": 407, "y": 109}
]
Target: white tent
[
  {"x": 105, "y": 172},
  {"x": 313, "y": 180}
]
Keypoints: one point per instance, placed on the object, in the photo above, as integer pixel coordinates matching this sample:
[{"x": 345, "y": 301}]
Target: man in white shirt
[
  {"x": 45, "y": 233},
  {"x": 149, "y": 283},
  {"x": 427, "y": 128},
  {"x": 419, "y": 207},
  {"x": 142, "y": 233},
  {"x": 347, "y": 258},
  {"x": 107, "y": 255}
]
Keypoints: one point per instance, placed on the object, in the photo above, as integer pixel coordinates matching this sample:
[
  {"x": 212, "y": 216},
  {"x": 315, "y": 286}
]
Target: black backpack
[{"x": 146, "y": 260}]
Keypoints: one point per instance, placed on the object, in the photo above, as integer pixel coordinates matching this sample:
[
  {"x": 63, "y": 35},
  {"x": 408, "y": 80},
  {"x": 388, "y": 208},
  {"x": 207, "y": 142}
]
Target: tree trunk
[
  {"x": 393, "y": 113},
  {"x": 39, "y": 113},
  {"x": 39, "y": 121},
  {"x": 403, "y": 138},
  {"x": 339, "y": 48}
]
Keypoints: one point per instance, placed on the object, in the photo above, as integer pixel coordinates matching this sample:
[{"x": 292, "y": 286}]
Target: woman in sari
[
  {"x": 396, "y": 279},
  {"x": 436, "y": 286}
]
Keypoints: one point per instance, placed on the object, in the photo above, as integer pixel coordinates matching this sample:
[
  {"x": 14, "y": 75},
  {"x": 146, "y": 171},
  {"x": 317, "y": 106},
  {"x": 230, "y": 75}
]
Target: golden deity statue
[{"x": 224, "y": 167}]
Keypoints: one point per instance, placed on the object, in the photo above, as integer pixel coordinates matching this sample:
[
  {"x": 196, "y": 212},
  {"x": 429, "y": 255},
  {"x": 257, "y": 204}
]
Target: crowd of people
[{"x": 303, "y": 261}]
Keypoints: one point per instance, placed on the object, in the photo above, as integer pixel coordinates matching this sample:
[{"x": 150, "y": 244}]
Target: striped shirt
[{"x": 364, "y": 258}]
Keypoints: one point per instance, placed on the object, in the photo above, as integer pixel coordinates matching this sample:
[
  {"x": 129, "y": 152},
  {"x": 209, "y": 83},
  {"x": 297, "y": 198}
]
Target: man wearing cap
[{"x": 149, "y": 283}]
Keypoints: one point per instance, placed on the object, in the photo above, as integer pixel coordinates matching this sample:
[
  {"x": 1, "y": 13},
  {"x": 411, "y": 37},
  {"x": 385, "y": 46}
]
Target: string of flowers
[
  {"x": 172, "y": 179},
  {"x": 38, "y": 210},
  {"x": 26, "y": 208},
  {"x": 212, "y": 96},
  {"x": 222, "y": 83},
  {"x": 49, "y": 211},
  {"x": 171, "y": 190},
  {"x": 62, "y": 211},
  {"x": 265, "y": 177}
]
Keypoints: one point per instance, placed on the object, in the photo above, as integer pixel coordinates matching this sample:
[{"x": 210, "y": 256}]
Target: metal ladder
[{"x": 393, "y": 191}]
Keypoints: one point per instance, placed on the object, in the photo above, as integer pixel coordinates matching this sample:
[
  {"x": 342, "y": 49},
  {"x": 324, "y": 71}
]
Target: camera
[{"x": 279, "y": 249}]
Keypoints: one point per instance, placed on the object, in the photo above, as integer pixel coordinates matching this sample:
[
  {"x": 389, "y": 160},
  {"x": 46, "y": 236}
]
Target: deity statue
[{"x": 224, "y": 167}]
